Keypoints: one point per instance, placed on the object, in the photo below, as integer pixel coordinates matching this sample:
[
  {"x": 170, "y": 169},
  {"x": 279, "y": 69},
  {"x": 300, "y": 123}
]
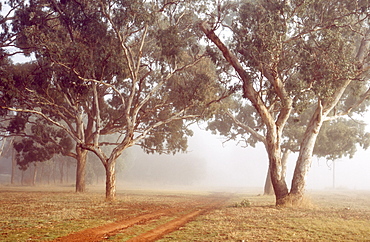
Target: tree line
[{"x": 106, "y": 75}]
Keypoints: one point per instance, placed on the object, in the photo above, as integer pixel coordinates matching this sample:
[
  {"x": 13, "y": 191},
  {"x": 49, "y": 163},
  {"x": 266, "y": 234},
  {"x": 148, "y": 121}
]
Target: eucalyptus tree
[
  {"x": 289, "y": 56},
  {"x": 132, "y": 68},
  {"x": 338, "y": 138}
]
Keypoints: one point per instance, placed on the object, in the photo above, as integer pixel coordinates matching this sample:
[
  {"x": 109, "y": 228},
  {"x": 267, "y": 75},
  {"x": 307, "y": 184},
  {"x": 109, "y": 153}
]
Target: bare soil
[
  {"x": 59, "y": 214},
  {"x": 182, "y": 215}
]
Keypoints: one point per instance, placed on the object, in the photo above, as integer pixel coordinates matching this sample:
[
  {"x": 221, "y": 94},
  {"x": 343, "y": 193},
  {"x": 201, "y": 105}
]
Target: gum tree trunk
[
  {"x": 268, "y": 189},
  {"x": 278, "y": 183},
  {"x": 305, "y": 156},
  {"x": 81, "y": 168},
  {"x": 274, "y": 127},
  {"x": 34, "y": 175},
  {"x": 110, "y": 182}
]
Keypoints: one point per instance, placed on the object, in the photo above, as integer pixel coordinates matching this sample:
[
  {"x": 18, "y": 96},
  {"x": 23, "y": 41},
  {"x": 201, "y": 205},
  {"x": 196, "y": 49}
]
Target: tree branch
[
  {"x": 247, "y": 128},
  {"x": 73, "y": 136}
]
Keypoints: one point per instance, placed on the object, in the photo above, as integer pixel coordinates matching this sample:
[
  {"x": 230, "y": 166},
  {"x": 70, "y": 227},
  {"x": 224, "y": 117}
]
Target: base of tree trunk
[{"x": 293, "y": 200}]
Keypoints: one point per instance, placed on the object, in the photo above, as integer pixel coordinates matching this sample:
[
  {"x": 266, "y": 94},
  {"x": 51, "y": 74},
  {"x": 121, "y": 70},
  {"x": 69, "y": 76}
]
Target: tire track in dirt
[
  {"x": 175, "y": 224},
  {"x": 197, "y": 207},
  {"x": 98, "y": 233}
]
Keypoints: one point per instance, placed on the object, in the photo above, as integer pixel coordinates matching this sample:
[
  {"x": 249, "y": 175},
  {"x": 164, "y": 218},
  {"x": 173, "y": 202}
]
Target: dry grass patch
[
  {"x": 346, "y": 219},
  {"x": 40, "y": 215},
  {"x": 44, "y": 215}
]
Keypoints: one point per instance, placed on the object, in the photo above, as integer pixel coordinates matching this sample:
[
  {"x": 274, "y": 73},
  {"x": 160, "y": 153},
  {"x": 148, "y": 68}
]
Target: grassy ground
[
  {"x": 326, "y": 216},
  {"x": 41, "y": 215}
]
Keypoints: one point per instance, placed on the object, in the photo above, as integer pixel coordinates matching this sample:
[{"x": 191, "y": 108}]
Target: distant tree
[
  {"x": 291, "y": 55},
  {"x": 41, "y": 143}
]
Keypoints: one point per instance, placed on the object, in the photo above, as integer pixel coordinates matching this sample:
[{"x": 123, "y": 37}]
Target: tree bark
[
  {"x": 274, "y": 128},
  {"x": 268, "y": 189},
  {"x": 273, "y": 149},
  {"x": 305, "y": 154},
  {"x": 81, "y": 169},
  {"x": 110, "y": 182}
]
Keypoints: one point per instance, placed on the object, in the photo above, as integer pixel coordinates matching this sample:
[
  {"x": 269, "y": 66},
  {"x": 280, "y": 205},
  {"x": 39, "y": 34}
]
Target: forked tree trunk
[
  {"x": 274, "y": 127},
  {"x": 275, "y": 167},
  {"x": 268, "y": 189},
  {"x": 81, "y": 168}
]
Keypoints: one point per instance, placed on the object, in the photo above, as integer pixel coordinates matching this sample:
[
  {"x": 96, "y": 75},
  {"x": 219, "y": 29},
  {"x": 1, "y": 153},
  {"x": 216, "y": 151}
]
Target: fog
[{"x": 211, "y": 163}]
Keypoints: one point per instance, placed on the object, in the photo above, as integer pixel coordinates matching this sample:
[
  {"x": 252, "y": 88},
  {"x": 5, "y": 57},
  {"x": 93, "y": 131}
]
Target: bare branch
[
  {"x": 247, "y": 128},
  {"x": 73, "y": 136}
]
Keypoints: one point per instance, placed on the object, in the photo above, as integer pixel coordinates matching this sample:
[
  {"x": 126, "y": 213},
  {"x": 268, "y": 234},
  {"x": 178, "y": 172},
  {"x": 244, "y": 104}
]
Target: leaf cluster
[
  {"x": 347, "y": 134},
  {"x": 41, "y": 143}
]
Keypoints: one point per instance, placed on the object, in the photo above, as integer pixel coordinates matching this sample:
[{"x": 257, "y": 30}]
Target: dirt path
[
  {"x": 193, "y": 209},
  {"x": 175, "y": 224}
]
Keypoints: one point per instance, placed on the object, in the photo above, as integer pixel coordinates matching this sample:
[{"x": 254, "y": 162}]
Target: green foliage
[
  {"x": 341, "y": 138},
  {"x": 144, "y": 58},
  {"x": 18, "y": 123},
  {"x": 311, "y": 46},
  {"x": 170, "y": 41},
  {"x": 40, "y": 144}
]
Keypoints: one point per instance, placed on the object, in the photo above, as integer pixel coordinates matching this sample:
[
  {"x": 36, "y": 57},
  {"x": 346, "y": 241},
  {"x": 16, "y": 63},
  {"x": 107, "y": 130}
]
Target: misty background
[{"x": 212, "y": 163}]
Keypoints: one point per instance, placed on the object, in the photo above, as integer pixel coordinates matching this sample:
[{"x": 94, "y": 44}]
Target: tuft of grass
[
  {"x": 291, "y": 201},
  {"x": 243, "y": 204}
]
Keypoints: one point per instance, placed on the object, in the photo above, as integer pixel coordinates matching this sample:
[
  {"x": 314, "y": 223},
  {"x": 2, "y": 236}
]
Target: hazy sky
[{"x": 232, "y": 165}]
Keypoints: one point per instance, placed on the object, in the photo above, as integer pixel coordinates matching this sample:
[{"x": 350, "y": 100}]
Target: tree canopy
[
  {"x": 108, "y": 67},
  {"x": 140, "y": 69},
  {"x": 293, "y": 57}
]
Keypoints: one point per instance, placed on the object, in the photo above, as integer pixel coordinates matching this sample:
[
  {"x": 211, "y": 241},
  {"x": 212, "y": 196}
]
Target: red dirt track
[{"x": 183, "y": 214}]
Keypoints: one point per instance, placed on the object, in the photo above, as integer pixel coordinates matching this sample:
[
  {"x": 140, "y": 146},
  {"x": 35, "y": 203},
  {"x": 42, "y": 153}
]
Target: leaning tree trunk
[
  {"x": 305, "y": 156},
  {"x": 81, "y": 168}
]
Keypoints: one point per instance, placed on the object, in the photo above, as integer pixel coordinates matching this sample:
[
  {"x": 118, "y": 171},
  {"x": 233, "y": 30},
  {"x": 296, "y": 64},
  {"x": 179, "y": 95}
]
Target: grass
[
  {"x": 330, "y": 220},
  {"x": 47, "y": 215},
  {"x": 43, "y": 215}
]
